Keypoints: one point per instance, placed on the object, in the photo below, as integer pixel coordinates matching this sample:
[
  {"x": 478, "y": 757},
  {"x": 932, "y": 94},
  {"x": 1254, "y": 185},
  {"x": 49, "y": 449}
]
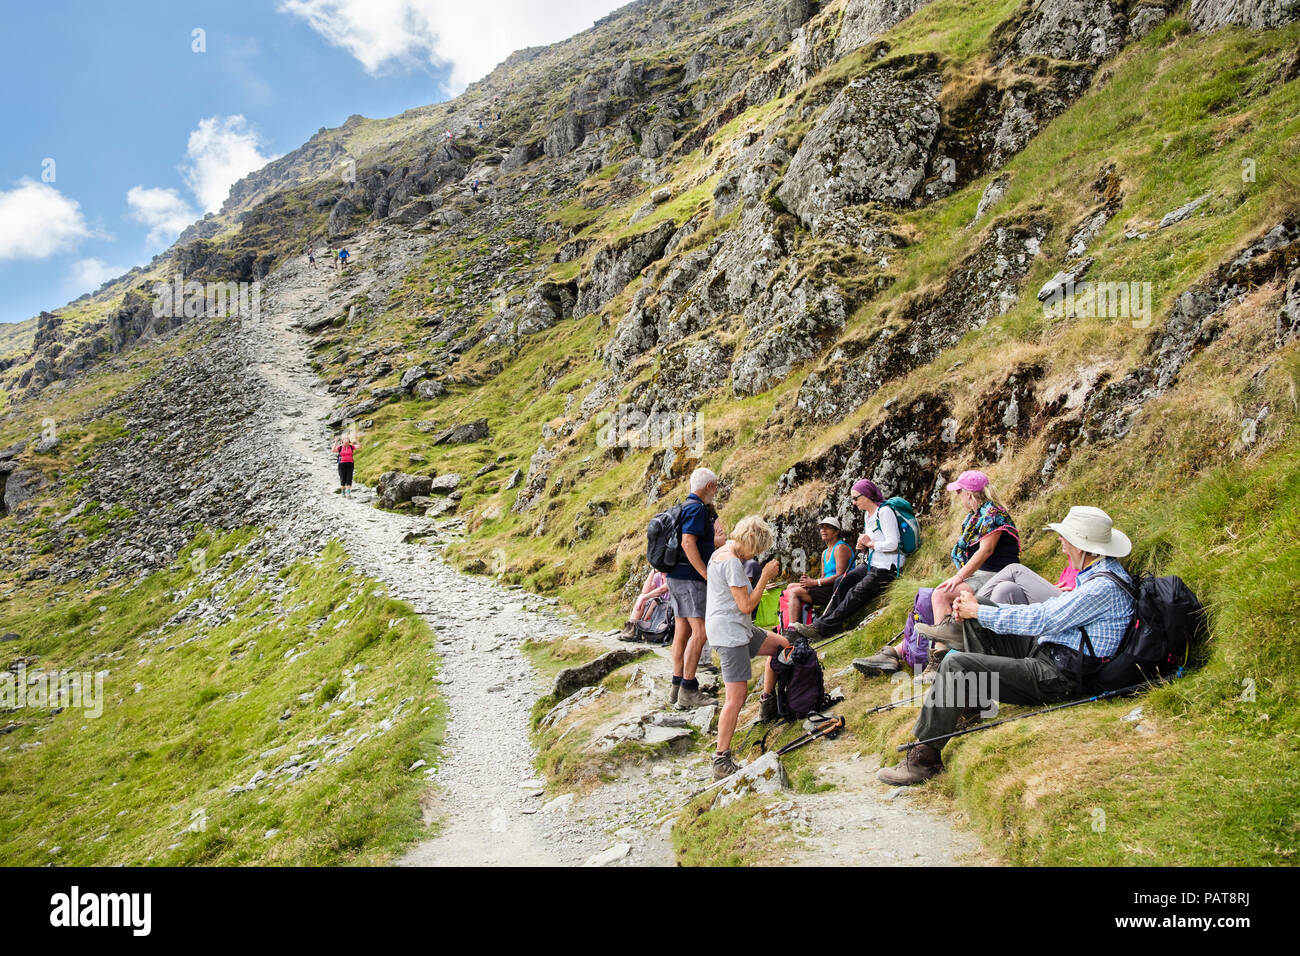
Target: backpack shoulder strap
[{"x": 1126, "y": 585}]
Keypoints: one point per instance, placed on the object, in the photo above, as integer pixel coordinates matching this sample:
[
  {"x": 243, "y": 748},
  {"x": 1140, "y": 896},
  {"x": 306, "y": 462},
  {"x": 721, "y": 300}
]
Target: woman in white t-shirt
[{"x": 737, "y": 640}]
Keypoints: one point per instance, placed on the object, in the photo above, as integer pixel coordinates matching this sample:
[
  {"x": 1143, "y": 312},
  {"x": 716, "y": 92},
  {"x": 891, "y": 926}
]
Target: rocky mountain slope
[{"x": 798, "y": 242}]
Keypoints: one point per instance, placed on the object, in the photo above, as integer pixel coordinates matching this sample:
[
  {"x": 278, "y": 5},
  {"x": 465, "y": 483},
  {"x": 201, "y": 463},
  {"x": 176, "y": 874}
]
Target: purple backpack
[{"x": 916, "y": 647}]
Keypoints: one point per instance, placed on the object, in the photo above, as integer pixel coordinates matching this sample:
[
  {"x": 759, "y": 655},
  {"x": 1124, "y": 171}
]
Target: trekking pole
[
  {"x": 1033, "y": 713},
  {"x": 894, "y": 703},
  {"x": 831, "y": 640},
  {"x": 828, "y": 728}
]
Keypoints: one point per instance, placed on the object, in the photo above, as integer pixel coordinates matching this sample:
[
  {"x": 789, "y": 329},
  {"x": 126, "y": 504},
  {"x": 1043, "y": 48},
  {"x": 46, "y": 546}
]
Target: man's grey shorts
[
  {"x": 687, "y": 597},
  {"x": 735, "y": 660}
]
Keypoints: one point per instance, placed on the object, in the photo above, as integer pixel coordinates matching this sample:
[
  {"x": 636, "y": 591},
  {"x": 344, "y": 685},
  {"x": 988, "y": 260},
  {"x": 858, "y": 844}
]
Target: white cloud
[
  {"x": 87, "y": 275},
  {"x": 36, "y": 221},
  {"x": 162, "y": 210},
  {"x": 221, "y": 151},
  {"x": 469, "y": 38}
]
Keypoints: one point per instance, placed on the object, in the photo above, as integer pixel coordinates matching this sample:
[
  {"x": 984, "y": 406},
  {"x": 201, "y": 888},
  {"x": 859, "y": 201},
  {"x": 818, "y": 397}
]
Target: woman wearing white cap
[
  {"x": 837, "y": 558},
  {"x": 1028, "y": 653}
]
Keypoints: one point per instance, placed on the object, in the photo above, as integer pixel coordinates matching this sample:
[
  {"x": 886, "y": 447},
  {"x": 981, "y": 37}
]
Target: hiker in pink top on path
[{"x": 344, "y": 448}]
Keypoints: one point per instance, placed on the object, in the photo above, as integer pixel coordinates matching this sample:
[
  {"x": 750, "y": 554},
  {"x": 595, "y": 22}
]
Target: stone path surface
[{"x": 485, "y": 794}]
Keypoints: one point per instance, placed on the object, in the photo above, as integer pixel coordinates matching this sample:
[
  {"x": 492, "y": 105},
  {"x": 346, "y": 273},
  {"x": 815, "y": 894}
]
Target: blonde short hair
[{"x": 752, "y": 536}]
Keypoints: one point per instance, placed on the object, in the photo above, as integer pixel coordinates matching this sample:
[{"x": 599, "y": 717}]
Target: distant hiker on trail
[
  {"x": 729, "y": 623},
  {"x": 480, "y": 125},
  {"x": 837, "y": 559},
  {"x": 882, "y": 542},
  {"x": 688, "y": 591},
  {"x": 656, "y": 586},
  {"x": 344, "y": 255},
  {"x": 474, "y": 187},
  {"x": 311, "y": 255},
  {"x": 345, "y": 449},
  {"x": 1036, "y": 652}
]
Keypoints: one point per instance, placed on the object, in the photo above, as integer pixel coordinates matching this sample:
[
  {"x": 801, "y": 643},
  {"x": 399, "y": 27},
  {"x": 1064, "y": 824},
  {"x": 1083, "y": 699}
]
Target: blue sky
[{"x": 118, "y": 133}]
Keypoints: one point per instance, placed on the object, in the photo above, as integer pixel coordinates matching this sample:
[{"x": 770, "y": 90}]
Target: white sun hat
[
  {"x": 832, "y": 521},
  {"x": 1090, "y": 529}
]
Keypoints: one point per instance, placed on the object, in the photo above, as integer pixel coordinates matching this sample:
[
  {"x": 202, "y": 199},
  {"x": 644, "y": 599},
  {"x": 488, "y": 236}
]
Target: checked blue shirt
[{"x": 1097, "y": 603}]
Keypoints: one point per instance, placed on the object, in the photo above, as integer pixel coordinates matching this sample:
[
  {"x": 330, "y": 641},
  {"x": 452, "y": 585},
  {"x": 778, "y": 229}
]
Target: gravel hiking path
[{"x": 484, "y": 790}]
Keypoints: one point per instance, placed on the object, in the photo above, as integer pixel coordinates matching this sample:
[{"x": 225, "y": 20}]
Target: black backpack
[
  {"x": 800, "y": 689},
  {"x": 1168, "y": 621},
  {"x": 664, "y": 539},
  {"x": 656, "y": 624}
]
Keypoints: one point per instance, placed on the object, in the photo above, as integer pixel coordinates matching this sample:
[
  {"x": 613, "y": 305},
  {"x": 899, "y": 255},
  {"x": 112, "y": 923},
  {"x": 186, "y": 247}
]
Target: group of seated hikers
[{"x": 995, "y": 620}]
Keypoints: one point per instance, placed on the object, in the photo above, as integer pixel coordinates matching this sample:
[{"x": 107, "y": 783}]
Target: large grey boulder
[
  {"x": 864, "y": 20},
  {"x": 1253, "y": 14},
  {"x": 613, "y": 266},
  {"x": 396, "y": 487},
  {"x": 21, "y": 486},
  {"x": 428, "y": 388},
  {"x": 476, "y": 430},
  {"x": 412, "y": 375},
  {"x": 872, "y": 144},
  {"x": 765, "y": 775},
  {"x": 572, "y": 679},
  {"x": 1071, "y": 30}
]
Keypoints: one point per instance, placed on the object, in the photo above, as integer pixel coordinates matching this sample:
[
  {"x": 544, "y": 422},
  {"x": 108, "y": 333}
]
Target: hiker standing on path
[
  {"x": 343, "y": 259},
  {"x": 688, "y": 591},
  {"x": 1029, "y": 653},
  {"x": 345, "y": 448},
  {"x": 311, "y": 255},
  {"x": 733, "y": 634}
]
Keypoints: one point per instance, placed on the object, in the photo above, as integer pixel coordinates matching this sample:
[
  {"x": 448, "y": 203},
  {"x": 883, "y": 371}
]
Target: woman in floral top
[{"x": 988, "y": 543}]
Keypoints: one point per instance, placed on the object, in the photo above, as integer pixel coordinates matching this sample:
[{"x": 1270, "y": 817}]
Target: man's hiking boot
[
  {"x": 629, "y": 632},
  {"x": 724, "y": 766},
  {"x": 932, "y": 665},
  {"x": 692, "y": 697},
  {"x": 673, "y": 694},
  {"x": 948, "y": 632},
  {"x": 919, "y": 764},
  {"x": 886, "y": 661},
  {"x": 806, "y": 631},
  {"x": 767, "y": 708}
]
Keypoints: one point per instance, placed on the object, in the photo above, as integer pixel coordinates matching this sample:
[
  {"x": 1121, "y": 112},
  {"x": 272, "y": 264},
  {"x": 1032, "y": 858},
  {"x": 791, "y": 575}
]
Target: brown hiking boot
[
  {"x": 767, "y": 707},
  {"x": 724, "y": 766},
  {"x": 948, "y": 632},
  {"x": 629, "y": 632},
  {"x": 806, "y": 631},
  {"x": 690, "y": 698},
  {"x": 672, "y": 695},
  {"x": 886, "y": 661},
  {"x": 932, "y": 665},
  {"x": 919, "y": 764}
]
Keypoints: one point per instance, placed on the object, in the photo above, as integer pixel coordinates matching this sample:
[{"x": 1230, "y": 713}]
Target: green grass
[{"x": 148, "y": 780}]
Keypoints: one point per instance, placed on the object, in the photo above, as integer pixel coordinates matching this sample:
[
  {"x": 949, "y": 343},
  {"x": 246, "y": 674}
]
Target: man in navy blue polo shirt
[{"x": 687, "y": 587}]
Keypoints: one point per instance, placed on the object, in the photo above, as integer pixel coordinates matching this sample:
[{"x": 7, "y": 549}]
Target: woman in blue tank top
[{"x": 837, "y": 559}]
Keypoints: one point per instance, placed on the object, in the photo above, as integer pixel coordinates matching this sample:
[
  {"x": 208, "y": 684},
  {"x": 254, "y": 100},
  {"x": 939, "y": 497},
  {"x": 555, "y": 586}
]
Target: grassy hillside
[
  {"x": 314, "y": 686},
  {"x": 1179, "y": 115}
]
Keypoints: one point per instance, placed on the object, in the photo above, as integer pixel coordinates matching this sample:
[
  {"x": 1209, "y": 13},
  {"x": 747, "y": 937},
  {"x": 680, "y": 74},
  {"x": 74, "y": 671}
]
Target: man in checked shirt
[{"x": 1029, "y": 653}]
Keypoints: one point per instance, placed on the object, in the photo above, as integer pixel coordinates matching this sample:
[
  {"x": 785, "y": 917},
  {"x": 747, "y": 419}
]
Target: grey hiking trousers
[{"x": 1007, "y": 668}]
